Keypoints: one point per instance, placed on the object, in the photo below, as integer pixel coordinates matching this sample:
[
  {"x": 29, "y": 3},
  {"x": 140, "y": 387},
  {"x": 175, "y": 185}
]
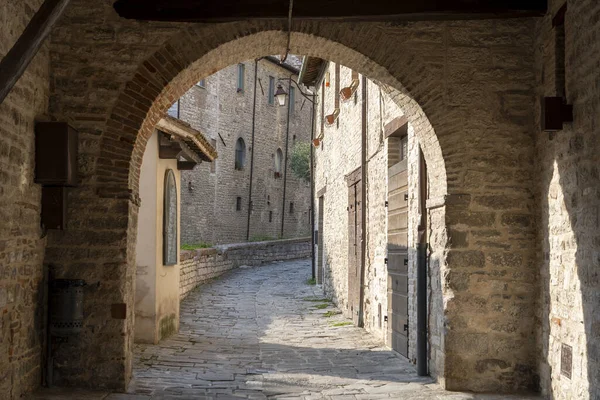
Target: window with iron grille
[{"x": 403, "y": 147}]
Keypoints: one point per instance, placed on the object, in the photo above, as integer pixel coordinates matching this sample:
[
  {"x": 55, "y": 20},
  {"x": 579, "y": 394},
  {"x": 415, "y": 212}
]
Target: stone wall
[
  {"x": 568, "y": 194},
  {"x": 332, "y": 163},
  {"x": 224, "y": 114},
  {"x": 199, "y": 266},
  {"x": 22, "y": 285}
]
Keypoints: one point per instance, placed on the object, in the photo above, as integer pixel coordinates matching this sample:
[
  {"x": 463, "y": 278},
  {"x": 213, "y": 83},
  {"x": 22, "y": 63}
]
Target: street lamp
[{"x": 280, "y": 95}]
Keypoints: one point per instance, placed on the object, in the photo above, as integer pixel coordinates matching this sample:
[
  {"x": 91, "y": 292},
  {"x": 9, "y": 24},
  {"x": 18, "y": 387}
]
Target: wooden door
[
  {"x": 398, "y": 257},
  {"x": 354, "y": 243},
  {"x": 320, "y": 252}
]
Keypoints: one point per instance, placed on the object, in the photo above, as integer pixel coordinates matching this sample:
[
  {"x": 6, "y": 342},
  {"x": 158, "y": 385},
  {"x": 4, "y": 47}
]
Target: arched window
[
  {"x": 240, "y": 154},
  {"x": 170, "y": 224},
  {"x": 278, "y": 162}
]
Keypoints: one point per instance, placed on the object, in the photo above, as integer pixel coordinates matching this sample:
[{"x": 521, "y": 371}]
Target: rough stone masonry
[
  {"x": 209, "y": 193},
  {"x": 513, "y": 235}
]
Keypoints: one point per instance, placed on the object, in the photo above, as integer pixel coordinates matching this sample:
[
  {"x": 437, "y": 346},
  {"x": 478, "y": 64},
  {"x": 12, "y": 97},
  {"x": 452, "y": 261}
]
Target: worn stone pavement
[{"x": 256, "y": 333}]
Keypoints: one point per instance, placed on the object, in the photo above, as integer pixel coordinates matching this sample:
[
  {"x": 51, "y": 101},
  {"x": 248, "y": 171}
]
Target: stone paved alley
[{"x": 258, "y": 333}]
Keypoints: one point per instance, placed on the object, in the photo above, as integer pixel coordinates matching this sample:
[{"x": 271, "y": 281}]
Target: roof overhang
[
  {"x": 192, "y": 143},
  {"x": 312, "y": 71}
]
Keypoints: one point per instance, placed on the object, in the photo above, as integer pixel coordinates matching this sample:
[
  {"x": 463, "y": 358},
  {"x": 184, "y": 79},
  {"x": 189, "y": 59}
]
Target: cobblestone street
[{"x": 264, "y": 333}]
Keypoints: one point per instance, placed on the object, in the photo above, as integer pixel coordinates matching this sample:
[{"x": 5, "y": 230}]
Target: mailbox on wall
[
  {"x": 55, "y": 169},
  {"x": 55, "y": 154}
]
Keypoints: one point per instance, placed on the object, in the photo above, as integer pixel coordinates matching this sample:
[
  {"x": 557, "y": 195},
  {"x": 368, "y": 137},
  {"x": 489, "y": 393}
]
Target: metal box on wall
[
  {"x": 54, "y": 207},
  {"x": 56, "y": 149}
]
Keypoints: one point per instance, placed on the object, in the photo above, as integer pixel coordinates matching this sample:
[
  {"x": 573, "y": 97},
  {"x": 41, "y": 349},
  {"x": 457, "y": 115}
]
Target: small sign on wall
[{"x": 566, "y": 360}]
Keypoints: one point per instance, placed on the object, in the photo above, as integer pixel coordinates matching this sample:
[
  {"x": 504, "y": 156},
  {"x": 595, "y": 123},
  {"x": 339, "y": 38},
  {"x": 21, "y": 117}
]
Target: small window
[
  {"x": 238, "y": 204},
  {"x": 291, "y": 208},
  {"x": 241, "y": 77},
  {"x": 278, "y": 163},
  {"x": 292, "y": 100},
  {"x": 270, "y": 216},
  {"x": 271, "y": 90},
  {"x": 213, "y": 164},
  {"x": 202, "y": 83},
  {"x": 240, "y": 154},
  {"x": 403, "y": 147},
  {"x": 174, "y": 110}
]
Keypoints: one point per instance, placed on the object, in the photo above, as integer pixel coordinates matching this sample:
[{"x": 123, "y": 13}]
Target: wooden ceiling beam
[{"x": 236, "y": 10}]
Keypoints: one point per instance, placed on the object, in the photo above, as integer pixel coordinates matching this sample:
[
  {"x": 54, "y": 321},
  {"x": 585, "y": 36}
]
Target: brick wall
[
  {"x": 223, "y": 114},
  {"x": 199, "y": 266},
  {"x": 22, "y": 288},
  {"x": 568, "y": 188}
]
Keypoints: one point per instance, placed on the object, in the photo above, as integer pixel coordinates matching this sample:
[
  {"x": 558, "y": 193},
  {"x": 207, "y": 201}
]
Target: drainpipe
[
  {"x": 252, "y": 149},
  {"x": 312, "y": 190},
  {"x": 422, "y": 367},
  {"x": 363, "y": 209},
  {"x": 287, "y": 139}
]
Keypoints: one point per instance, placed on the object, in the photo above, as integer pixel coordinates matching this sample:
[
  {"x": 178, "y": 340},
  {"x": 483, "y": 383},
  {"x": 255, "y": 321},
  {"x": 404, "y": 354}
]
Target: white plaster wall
[
  {"x": 157, "y": 286},
  {"x": 167, "y": 277},
  {"x": 145, "y": 284}
]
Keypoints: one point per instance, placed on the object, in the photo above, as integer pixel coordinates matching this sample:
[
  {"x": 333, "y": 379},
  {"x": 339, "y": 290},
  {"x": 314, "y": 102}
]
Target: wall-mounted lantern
[{"x": 280, "y": 95}]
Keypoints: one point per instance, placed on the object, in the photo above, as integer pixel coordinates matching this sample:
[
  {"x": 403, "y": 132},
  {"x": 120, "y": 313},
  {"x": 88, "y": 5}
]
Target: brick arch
[
  {"x": 173, "y": 69},
  {"x": 184, "y": 60}
]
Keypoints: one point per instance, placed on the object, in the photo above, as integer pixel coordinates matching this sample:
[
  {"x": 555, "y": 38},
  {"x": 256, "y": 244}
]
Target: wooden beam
[
  {"x": 186, "y": 165},
  {"x": 167, "y": 148},
  {"x": 236, "y": 10},
  {"x": 397, "y": 127},
  {"x": 14, "y": 64}
]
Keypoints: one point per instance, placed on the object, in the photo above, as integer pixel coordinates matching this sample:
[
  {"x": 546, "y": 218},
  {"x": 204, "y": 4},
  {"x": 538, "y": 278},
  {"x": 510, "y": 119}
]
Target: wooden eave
[
  {"x": 189, "y": 137},
  {"x": 312, "y": 71}
]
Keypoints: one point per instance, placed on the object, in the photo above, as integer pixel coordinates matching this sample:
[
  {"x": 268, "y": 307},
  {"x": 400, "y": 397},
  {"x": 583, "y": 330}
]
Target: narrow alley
[{"x": 265, "y": 333}]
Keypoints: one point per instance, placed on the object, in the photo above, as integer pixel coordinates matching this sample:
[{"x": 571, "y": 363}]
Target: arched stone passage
[{"x": 438, "y": 73}]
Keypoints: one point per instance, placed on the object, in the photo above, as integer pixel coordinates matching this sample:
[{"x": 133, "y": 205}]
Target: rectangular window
[
  {"x": 292, "y": 100},
  {"x": 241, "y": 77},
  {"x": 403, "y": 147},
  {"x": 174, "y": 110},
  {"x": 238, "y": 204},
  {"x": 202, "y": 83},
  {"x": 291, "y": 208},
  {"x": 271, "y": 90},
  {"x": 213, "y": 165},
  {"x": 270, "y": 216}
]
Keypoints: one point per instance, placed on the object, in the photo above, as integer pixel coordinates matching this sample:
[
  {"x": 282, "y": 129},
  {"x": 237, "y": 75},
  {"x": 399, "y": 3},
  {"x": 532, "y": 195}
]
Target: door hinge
[
  {"x": 405, "y": 196},
  {"x": 387, "y": 204},
  {"x": 385, "y": 261}
]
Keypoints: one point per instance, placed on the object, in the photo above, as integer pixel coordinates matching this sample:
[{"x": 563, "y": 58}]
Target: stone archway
[{"x": 436, "y": 85}]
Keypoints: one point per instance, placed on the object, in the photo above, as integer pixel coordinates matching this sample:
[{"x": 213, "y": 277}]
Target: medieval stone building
[
  {"x": 253, "y": 141},
  {"x": 504, "y": 110}
]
